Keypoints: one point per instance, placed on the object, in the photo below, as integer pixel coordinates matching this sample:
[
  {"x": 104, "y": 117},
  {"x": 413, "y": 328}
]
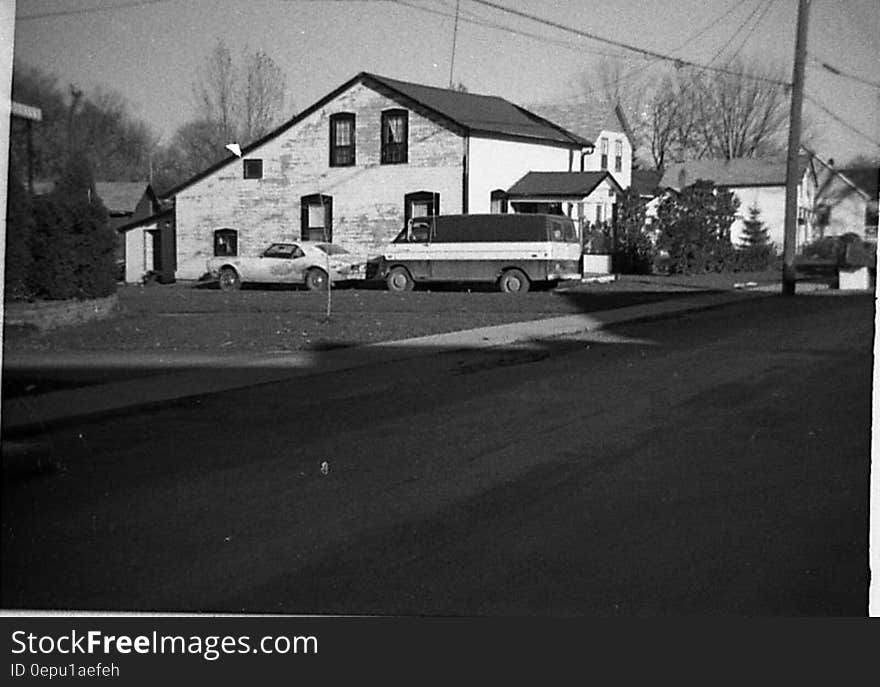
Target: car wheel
[
  {"x": 229, "y": 279},
  {"x": 316, "y": 280},
  {"x": 399, "y": 279},
  {"x": 513, "y": 281}
]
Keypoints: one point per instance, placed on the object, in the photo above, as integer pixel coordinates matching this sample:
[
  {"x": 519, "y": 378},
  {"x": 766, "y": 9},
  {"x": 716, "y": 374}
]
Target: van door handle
[{"x": 534, "y": 255}]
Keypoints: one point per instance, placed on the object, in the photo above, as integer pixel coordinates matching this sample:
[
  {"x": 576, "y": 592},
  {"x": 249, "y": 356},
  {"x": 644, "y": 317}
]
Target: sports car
[{"x": 312, "y": 264}]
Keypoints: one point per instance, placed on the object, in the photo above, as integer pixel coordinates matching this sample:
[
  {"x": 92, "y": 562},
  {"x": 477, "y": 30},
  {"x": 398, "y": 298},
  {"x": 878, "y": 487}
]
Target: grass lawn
[{"x": 191, "y": 317}]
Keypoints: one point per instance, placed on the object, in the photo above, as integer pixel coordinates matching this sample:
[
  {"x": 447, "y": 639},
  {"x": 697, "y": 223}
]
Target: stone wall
[{"x": 50, "y": 314}]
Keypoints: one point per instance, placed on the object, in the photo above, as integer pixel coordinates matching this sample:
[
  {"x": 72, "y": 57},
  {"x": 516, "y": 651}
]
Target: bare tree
[
  {"x": 244, "y": 100},
  {"x": 694, "y": 113},
  {"x": 743, "y": 114},
  {"x": 216, "y": 91},
  {"x": 262, "y": 95}
]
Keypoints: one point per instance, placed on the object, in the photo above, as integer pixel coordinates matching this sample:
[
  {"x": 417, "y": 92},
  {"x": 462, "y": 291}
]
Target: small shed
[
  {"x": 586, "y": 197},
  {"x": 150, "y": 247}
]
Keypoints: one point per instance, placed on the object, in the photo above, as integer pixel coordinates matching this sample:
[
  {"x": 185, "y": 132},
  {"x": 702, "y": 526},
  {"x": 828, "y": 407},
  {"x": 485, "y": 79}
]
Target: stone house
[{"x": 356, "y": 165}]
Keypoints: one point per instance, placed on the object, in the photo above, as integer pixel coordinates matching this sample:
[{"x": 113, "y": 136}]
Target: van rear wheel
[
  {"x": 399, "y": 279},
  {"x": 513, "y": 281}
]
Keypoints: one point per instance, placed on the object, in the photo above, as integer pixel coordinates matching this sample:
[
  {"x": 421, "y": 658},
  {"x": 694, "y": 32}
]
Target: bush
[
  {"x": 72, "y": 246},
  {"x": 634, "y": 252},
  {"x": 694, "y": 229},
  {"x": 831, "y": 248}
]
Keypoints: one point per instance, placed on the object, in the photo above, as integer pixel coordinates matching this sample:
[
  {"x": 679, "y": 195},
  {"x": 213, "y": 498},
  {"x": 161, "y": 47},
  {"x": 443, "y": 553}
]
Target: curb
[{"x": 238, "y": 371}]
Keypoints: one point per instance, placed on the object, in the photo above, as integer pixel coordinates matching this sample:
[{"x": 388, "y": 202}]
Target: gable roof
[
  {"x": 559, "y": 184},
  {"x": 122, "y": 197},
  {"x": 465, "y": 113},
  {"x": 645, "y": 182},
  {"x": 480, "y": 114},
  {"x": 866, "y": 179},
  {"x": 586, "y": 118},
  {"x": 730, "y": 173}
]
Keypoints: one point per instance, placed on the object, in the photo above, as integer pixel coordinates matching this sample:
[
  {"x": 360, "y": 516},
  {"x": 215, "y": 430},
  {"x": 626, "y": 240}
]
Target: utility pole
[
  {"x": 454, "y": 39},
  {"x": 794, "y": 144}
]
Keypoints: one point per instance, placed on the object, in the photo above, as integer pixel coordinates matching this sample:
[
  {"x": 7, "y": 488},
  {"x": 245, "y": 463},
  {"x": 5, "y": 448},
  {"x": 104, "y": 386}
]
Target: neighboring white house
[
  {"x": 847, "y": 200},
  {"x": 756, "y": 182},
  {"x": 357, "y": 164},
  {"x": 606, "y": 127}
]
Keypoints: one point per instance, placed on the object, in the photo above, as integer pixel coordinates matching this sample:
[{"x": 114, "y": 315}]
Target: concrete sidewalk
[{"x": 183, "y": 375}]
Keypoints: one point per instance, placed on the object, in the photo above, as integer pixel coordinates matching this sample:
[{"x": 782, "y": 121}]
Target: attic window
[
  {"x": 395, "y": 136},
  {"x": 604, "y": 148},
  {"x": 618, "y": 156},
  {"x": 253, "y": 169}
]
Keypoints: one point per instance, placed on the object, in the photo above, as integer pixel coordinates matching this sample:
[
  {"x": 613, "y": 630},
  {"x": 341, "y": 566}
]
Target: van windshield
[{"x": 563, "y": 231}]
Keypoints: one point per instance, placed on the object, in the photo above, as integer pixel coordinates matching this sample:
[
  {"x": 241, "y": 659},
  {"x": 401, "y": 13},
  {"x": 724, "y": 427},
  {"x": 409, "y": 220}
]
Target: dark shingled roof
[
  {"x": 729, "y": 173},
  {"x": 645, "y": 182},
  {"x": 558, "y": 184},
  {"x": 867, "y": 179},
  {"x": 481, "y": 113},
  {"x": 121, "y": 197}
]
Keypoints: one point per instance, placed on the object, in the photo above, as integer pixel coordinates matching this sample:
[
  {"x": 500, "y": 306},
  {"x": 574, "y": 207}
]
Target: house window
[
  {"x": 395, "y": 134},
  {"x": 316, "y": 217},
  {"x": 618, "y": 156},
  {"x": 225, "y": 243},
  {"x": 342, "y": 140},
  {"x": 421, "y": 204},
  {"x": 498, "y": 202},
  {"x": 598, "y": 214},
  {"x": 823, "y": 215},
  {"x": 253, "y": 169},
  {"x": 603, "y": 147}
]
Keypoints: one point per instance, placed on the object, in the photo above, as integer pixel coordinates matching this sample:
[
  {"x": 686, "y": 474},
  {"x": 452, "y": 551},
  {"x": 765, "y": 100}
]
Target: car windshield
[{"x": 331, "y": 249}]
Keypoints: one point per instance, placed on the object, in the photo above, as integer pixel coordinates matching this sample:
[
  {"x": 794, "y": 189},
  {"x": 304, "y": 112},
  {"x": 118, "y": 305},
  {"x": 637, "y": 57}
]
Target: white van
[{"x": 510, "y": 250}]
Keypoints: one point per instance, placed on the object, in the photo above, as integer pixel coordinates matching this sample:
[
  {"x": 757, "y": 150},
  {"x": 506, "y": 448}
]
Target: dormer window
[
  {"x": 342, "y": 145},
  {"x": 603, "y": 147},
  {"x": 395, "y": 137},
  {"x": 253, "y": 169}
]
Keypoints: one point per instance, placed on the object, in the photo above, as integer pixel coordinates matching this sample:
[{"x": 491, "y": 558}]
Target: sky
[{"x": 151, "y": 51}]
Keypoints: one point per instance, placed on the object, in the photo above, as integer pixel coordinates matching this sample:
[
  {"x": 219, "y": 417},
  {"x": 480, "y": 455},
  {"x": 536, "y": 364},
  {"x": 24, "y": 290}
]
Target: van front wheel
[
  {"x": 513, "y": 281},
  {"x": 399, "y": 279}
]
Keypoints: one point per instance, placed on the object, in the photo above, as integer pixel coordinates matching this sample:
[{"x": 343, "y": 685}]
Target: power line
[
  {"x": 471, "y": 18},
  {"x": 625, "y": 46},
  {"x": 839, "y": 72},
  {"x": 734, "y": 5},
  {"x": 769, "y": 4},
  {"x": 89, "y": 10},
  {"x": 736, "y": 33},
  {"x": 839, "y": 119}
]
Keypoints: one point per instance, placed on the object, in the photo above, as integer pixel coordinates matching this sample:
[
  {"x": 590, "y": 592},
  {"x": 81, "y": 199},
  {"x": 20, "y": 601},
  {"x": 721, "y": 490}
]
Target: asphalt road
[{"x": 713, "y": 463}]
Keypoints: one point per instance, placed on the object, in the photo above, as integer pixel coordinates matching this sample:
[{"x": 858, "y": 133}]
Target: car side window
[{"x": 297, "y": 253}]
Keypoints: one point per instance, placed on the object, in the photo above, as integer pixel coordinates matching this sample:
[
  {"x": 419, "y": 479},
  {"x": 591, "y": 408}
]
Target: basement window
[{"x": 253, "y": 169}]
